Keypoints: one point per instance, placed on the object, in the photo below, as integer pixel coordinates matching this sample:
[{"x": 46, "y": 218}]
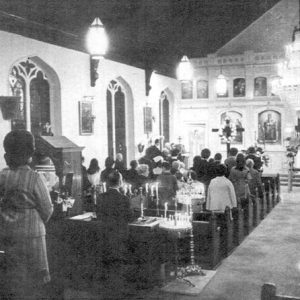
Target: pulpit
[{"x": 66, "y": 157}]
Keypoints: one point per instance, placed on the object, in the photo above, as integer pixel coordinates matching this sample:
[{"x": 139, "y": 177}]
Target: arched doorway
[
  {"x": 116, "y": 120},
  {"x": 164, "y": 117}
]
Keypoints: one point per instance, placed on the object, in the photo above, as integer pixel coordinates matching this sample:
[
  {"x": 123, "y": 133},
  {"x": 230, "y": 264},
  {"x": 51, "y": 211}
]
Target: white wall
[{"x": 73, "y": 71}]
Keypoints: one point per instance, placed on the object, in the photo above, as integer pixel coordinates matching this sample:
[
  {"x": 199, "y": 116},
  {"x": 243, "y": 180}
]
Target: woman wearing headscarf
[{"x": 25, "y": 207}]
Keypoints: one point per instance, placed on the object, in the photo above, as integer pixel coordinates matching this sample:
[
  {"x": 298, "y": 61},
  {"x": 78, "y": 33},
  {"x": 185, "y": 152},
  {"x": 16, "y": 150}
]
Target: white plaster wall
[{"x": 73, "y": 70}]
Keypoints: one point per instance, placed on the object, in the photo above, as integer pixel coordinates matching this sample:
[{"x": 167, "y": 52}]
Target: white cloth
[
  {"x": 220, "y": 194},
  {"x": 94, "y": 179}
]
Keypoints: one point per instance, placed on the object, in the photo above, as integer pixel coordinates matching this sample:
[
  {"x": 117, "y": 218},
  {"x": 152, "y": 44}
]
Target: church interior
[{"x": 189, "y": 110}]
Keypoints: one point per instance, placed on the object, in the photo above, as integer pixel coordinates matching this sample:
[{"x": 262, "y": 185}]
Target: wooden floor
[{"x": 271, "y": 253}]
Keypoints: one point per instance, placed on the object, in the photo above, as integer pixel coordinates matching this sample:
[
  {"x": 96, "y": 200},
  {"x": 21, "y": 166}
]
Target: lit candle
[
  {"x": 142, "y": 210},
  {"x": 156, "y": 190},
  {"x": 147, "y": 187},
  {"x": 104, "y": 187},
  {"x": 166, "y": 209},
  {"x": 152, "y": 190},
  {"x": 129, "y": 188},
  {"x": 125, "y": 189}
]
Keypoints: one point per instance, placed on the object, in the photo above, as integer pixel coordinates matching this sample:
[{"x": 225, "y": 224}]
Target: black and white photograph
[{"x": 149, "y": 149}]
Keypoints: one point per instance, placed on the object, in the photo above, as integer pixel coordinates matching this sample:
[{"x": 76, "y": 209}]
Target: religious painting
[
  {"x": 260, "y": 86},
  {"x": 234, "y": 120},
  {"x": 269, "y": 127},
  {"x": 239, "y": 87},
  {"x": 202, "y": 89},
  {"x": 86, "y": 118},
  {"x": 187, "y": 89},
  {"x": 147, "y": 120}
]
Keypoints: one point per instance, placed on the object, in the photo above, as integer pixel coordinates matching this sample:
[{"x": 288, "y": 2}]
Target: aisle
[{"x": 271, "y": 253}]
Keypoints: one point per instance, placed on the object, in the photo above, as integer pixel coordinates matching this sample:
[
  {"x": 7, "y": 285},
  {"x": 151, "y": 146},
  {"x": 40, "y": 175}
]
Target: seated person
[
  {"x": 167, "y": 186},
  {"x": 119, "y": 163},
  {"x": 142, "y": 178},
  {"x": 46, "y": 168},
  {"x": 258, "y": 163},
  {"x": 131, "y": 174},
  {"x": 255, "y": 181},
  {"x": 109, "y": 162},
  {"x": 220, "y": 193},
  {"x": 93, "y": 173}
]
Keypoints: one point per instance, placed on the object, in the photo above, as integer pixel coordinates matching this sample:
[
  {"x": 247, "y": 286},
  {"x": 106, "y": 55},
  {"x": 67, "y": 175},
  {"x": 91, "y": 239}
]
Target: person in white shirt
[
  {"x": 93, "y": 173},
  {"x": 220, "y": 192}
]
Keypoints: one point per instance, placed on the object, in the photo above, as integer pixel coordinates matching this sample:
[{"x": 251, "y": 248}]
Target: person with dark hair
[
  {"x": 230, "y": 161},
  {"x": 153, "y": 151},
  {"x": 131, "y": 174},
  {"x": 220, "y": 193},
  {"x": 93, "y": 172},
  {"x": 84, "y": 177},
  {"x": 201, "y": 168},
  {"x": 167, "y": 185},
  {"x": 25, "y": 207},
  {"x": 255, "y": 183},
  {"x": 109, "y": 162},
  {"x": 119, "y": 164},
  {"x": 258, "y": 163},
  {"x": 240, "y": 176},
  {"x": 212, "y": 164},
  {"x": 113, "y": 210}
]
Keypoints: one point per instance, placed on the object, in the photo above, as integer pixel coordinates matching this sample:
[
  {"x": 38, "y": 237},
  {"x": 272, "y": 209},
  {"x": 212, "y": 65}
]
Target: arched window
[
  {"x": 116, "y": 120},
  {"x": 30, "y": 83},
  {"x": 164, "y": 120}
]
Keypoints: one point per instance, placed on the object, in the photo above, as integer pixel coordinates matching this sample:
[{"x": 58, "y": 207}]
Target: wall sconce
[
  {"x": 185, "y": 70},
  {"x": 97, "y": 43}
]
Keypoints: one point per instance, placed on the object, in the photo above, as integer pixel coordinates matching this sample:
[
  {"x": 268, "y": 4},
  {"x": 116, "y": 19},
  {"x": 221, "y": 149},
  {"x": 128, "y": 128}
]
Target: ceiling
[{"x": 150, "y": 34}]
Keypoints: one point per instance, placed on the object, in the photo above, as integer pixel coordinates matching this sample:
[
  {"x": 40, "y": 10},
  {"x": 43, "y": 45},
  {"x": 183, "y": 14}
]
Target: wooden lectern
[{"x": 66, "y": 157}]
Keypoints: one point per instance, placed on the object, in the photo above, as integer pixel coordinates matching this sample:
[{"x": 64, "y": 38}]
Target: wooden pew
[
  {"x": 268, "y": 292},
  {"x": 207, "y": 243},
  {"x": 256, "y": 210},
  {"x": 277, "y": 187},
  {"x": 226, "y": 224},
  {"x": 268, "y": 195},
  {"x": 263, "y": 203},
  {"x": 238, "y": 225},
  {"x": 247, "y": 206}
]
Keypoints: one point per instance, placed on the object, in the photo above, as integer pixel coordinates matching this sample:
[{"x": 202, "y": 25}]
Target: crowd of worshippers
[{"x": 223, "y": 181}]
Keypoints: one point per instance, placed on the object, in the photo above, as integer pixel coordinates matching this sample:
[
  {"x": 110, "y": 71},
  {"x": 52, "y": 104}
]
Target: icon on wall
[
  {"x": 86, "y": 118},
  {"x": 239, "y": 87},
  {"x": 235, "y": 122},
  {"x": 260, "y": 86},
  {"x": 202, "y": 89},
  {"x": 269, "y": 127},
  {"x": 187, "y": 89}
]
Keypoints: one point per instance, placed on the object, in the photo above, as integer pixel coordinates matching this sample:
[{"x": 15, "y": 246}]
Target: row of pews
[
  {"x": 153, "y": 253},
  {"x": 216, "y": 234}
]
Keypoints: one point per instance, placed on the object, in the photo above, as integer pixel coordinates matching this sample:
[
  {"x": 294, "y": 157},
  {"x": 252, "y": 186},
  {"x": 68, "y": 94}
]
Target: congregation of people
[{"x": 224, "y": 182}]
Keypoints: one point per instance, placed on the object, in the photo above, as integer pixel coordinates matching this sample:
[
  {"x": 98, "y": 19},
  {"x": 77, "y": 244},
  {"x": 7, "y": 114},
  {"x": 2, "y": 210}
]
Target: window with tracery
[
  {"x": 116, "y": 121},
  {"x": 30, "y": 83}
]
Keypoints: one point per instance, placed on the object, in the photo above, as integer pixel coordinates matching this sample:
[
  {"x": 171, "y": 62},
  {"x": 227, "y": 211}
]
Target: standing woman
[
  {"x": 93, "y": 173},
  {"x": 25, "y": 207},
  {"x": 240, "y": 176}
]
